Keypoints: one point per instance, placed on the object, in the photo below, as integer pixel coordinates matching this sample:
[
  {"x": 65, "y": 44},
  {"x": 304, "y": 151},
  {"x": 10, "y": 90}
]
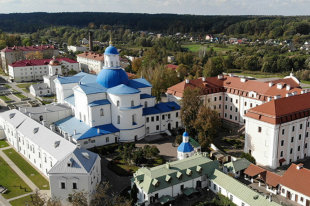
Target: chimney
[
  {"x": 243, "y": 79},
  {"x": 270, "y": 84},
  {"x": 220, "y": 76},
  {"x": 90, "y": 43},
  {"x": 288, "y": 94},
  {"x": 98, "y": 130},
  {"x": 300, "y": 166},
  {"x": 187, "y": 81},
  {"x": 231, "y": 75},
  {"x": 288, "y": 87},
  {"x": 279, "y": 86},
  {"x": 269, "y": 99},
  {"x": 277, "y": 97},
  {"x": 203, "y": 79},
  {"x": 294, "y": 93},
  {"x": 303, "y": 91}
]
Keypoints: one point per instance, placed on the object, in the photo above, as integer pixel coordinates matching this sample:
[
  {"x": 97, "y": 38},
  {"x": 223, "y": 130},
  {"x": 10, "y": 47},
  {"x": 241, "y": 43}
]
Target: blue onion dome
[
  {"x": 185, "y": 134},
  {"x": 111, "y": 50},
  {"x": 112, "y": 77}
]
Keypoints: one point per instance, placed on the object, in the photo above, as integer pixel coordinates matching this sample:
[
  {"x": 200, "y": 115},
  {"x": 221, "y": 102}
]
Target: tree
[
  {"x": 78, "y": 198},
  {"x": 34, "y": 55},
  {"x": 38, "y": 199},
  {"x": 207, "y": 124},
  {"x": 102, "y": 197},
  {"x": 190, "y": 105},
  {"x": 133, "y": 193},
  {"x": 248, "y": 157},
  {"x": 214, "y": 66},
  {"x": 136, "y": 64}
]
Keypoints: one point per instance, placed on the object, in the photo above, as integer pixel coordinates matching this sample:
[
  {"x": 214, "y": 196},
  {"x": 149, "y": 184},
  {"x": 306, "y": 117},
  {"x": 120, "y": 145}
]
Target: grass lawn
[
  {"x": 24, "y": 85},
  {"x": 27, "y": 169},
  {"x": 3, "y": 143},
  {"x": 5, "y": 98},
  {"x": 9, "y": 179},
  {"x": 22, "y": 201},
  {"x": 197, "y": 47},
  {"x": 7, "y": 86},
  {"x": 21, "y": 96}
]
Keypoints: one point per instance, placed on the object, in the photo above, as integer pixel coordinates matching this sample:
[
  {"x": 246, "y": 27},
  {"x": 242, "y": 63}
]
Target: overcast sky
[{"x": 203, "y": 7}]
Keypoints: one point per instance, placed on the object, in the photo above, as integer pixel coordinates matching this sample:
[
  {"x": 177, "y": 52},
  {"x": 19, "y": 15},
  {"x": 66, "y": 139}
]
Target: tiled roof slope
[
  {"x": 92, "y": 55},
  {"x": 28, "y": 48},
  {"x": 297, "y": 179},
  {"x": 238, "y": 165},
  {"x": 240, "y": 190},
  {"x": 39, "y": 62},
  {"x": 236, "y": 85},
  {"x": 282, "y": 110},
  {"x": 189, "y": 168}
]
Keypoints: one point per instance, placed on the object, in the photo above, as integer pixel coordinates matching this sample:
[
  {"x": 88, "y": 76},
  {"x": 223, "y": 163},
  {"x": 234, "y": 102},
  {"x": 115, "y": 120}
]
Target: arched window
[
  {"x": 118, "y": 119},
  {"x": 101, "y": 112},
  {"x": 134, "y": 118},
  {"x": 145, "y": 104},
  {"x": 117, "y": 103},
  {"x": 132, "y": 103}
]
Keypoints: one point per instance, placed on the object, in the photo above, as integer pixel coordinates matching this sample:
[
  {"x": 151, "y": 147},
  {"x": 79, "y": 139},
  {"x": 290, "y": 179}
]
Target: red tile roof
[
  {"x": 297, "y": 179},
  {"x": 92, "y": 55},
  {"x": 271, "y": 178},
  {"x": 38, "y": 62},
  {"x": 234, "y": 85},
  {"x": 268, "y": 177},
  {"x": 282, "y": 110},
  {"x": 172, "y": 66},
  {"x": 28, "y": 48},
  {"x": 253, "y": 170}
]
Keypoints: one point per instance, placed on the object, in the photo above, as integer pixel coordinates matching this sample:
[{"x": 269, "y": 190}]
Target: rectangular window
[
  {"x": 244, "y": 103},
  {"x": 307, "y": 134},
  {"x": 74, "y": 186},
  {"x": 231, "y": 198},
  {"x": 225, "y": 106},
  {"x": 259, "y": 129},
  {"x": 293, "y": 128},
  {"x": 292, "y": 139},
  {"x": 157, "y": 118},
  {"x": 230, "y": 116},
  {"x": 299, "y": 137},
  {"x": 220, "y": 106},
  {"x": 282, "y": 142},
  {"x": 214, "y": 187},
  {"x": 215, "y": 99},
  {"x": 163, "y": 117},
  {"x": 281, "y": 154},
  {"x": 157, "y": 127},
  {"x": 63, "y": 185},
  {"x": 220, "y": 98},
  {"x": 168, "y": 116},
  {"x": 225, "y": 98},
  {"x": 214, "y": 107},
  {"x": 231, "y": 99},
  {"x": 236, "y": 101},
  {"x": 298, "y": 148},
  {"x": 152, "y": 119},
  {"x": 291, "y": 151},
  {"x": 176, "y": 114},
  {"x": 147, "y": 119},
  {"x": 107, "y": 139},
  {"x": 300, "y": 126},
  {"x": 283, "y": 131}
]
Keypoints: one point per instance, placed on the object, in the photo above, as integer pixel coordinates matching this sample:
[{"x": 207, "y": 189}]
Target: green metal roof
[
  {"x": 238, "y": 165},
  {"x": 144, "y": 177},
  {"x": 194, "y": 143},
  {"x": 240, "y": 190}
]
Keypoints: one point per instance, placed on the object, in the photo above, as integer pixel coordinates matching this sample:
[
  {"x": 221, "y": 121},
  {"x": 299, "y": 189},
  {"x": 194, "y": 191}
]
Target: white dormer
[{"x": 279, "y": 86}]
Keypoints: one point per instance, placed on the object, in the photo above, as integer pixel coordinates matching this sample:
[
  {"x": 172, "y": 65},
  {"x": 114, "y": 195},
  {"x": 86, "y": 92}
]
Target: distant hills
[{"x": 274, "y": 26}]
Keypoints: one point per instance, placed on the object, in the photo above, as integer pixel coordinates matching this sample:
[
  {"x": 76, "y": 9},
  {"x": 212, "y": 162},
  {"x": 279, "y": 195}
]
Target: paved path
[
  {"x": 3, "y": 201},
  {"x": 19, "y": 173}
]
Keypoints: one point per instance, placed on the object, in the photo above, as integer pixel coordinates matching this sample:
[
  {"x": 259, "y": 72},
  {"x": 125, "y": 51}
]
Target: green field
[
  {"x": 22, "y": 201},
  {"x": 27, "y": 169},
  {"x": 3, "y": 143},
  {"x": 197, "y": 47},
  {"x": 21, "y": 96},
  {"x": 5, "y": 98},
  {"x": 24, "y": 85},
  {"x": 9, "y": 179}
]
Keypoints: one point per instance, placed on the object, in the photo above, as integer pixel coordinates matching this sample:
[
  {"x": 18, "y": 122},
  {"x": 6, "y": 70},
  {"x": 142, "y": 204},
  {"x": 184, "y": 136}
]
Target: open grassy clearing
[
  {"x": 9, "y": 179},
  {"x": 27, "y": 169}
]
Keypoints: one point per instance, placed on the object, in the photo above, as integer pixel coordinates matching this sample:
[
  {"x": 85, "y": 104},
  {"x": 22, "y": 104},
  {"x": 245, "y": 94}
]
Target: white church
[{"x": 110, "y": 107}]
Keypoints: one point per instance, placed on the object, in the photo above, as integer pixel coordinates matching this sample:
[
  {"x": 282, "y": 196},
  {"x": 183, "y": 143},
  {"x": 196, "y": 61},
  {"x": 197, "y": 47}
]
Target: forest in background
[{"x": 256, "y": 26}]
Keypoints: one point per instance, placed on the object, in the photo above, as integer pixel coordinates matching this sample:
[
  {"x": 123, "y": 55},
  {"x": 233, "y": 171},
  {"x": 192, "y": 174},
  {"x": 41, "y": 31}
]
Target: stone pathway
[{"x": 19, "y": 173}]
